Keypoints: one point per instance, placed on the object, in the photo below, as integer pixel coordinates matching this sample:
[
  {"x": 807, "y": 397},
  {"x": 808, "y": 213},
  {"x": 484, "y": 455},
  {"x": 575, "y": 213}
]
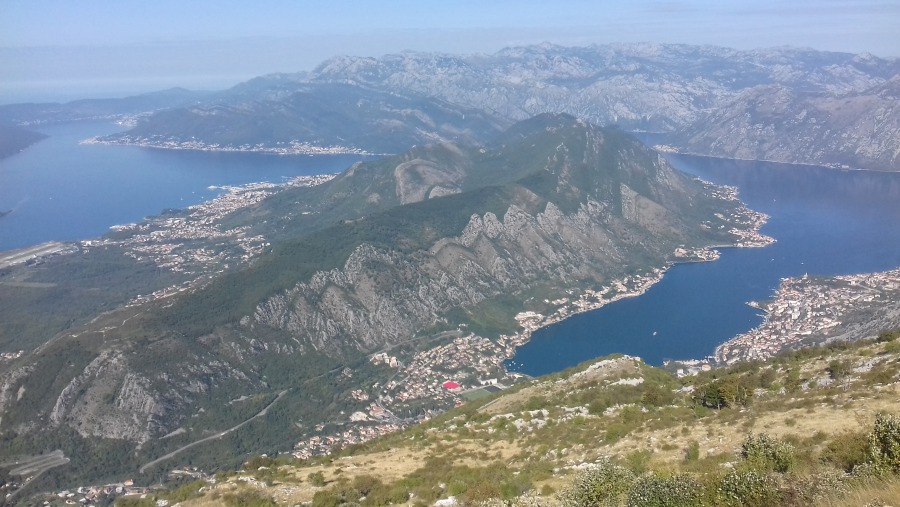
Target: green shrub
[
  {"x": 605, "y": 484},
  {"x": 615, "y": 431},
  {"x": 326, "y": 498},
  {"x": 692, "y": 453},
  {"x": 656, "y": 395},
  {"x": 764, "y": 453},
  {"x": 846, "y": 450},
  {"x": 185, "y": 492},
  {"x": 884, "y": 444},
  {"x": 880, "y": 374},
  {"x": 888, "y": 336},
  {"x": 135, "y": 502},
  {"x": 388, "y": 495},
  {"x": 536, "y": 403},
  {"x": 365, "y": 484},
  {"x": 730, "y": 391},
  {"x": 638, "y": 460},
  {"x": 680, "y": 490},
  {"x": 747, "y": 488},
  {"x": 766, "y": 378},
  {"x": 316, "y": 479},
  {"x": 838, "y": 369},
  {"x": 249, "y": 498},
  {"x": 816, "y": 488}
]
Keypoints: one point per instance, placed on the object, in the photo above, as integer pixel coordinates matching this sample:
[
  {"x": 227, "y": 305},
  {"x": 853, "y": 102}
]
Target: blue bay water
[
  {"x": 58, "y": 189},
  {"x": 827, "y": 222}
]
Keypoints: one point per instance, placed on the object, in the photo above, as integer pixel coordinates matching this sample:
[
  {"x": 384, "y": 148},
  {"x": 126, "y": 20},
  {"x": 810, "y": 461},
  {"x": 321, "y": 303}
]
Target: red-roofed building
[{"x": 451, "y": 385}]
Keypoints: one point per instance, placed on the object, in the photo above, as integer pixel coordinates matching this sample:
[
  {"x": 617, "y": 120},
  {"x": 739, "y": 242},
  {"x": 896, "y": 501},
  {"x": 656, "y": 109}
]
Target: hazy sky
[{"x": 67, "y": 49}]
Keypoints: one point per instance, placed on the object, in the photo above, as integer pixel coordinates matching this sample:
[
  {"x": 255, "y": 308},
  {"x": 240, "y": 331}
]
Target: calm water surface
[
  {"x": 59, "y": 189},
  {"x": 827, "y": 222}
]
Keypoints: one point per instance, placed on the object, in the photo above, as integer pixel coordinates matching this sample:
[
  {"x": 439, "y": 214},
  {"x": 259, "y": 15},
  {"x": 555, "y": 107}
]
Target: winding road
[{"x": 221, "y": 434}]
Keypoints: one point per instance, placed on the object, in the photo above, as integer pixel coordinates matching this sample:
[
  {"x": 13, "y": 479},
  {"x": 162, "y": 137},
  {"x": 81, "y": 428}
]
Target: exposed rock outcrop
[{"x": 858, "y": 130}]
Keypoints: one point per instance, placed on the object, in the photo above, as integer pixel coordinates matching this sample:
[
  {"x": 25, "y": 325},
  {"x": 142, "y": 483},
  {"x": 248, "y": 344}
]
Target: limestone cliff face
[
  {"x": 657, "y": 87},
  {"x": 859, "y": 130},
  {"x": 114, "y": 397},
  {"x": 133, "y": 414},
  {"x": 381, "y": 296}
]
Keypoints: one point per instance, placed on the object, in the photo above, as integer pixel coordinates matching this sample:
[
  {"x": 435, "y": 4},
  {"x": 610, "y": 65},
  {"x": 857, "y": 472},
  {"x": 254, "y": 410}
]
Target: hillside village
[{"x": 816, "y": 310}]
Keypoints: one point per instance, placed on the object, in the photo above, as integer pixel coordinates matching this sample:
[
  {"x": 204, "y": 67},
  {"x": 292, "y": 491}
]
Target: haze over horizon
[{"x": 51, "y": 50}]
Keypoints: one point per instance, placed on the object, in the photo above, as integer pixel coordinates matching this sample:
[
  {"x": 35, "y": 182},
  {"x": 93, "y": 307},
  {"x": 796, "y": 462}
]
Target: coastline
[
  {"x": 293, "y": 148},
  {"x": 808, "y": 310},
  {"x": 590, "y": 300},
  {"x": 665, "y": 148},
  {"x": 635, "y": 285}
]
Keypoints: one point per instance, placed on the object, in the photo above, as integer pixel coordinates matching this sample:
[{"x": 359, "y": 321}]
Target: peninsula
[{"x": 809, "y": 311}]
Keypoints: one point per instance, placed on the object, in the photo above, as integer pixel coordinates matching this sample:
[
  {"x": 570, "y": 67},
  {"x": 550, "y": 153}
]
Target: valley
[
  {"x": 235, "y": 343},
  {"x": 396, "y": 310}
]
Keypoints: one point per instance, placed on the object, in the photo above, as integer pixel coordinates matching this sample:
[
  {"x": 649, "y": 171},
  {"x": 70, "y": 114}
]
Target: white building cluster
[{"x": 809, "y": 309}]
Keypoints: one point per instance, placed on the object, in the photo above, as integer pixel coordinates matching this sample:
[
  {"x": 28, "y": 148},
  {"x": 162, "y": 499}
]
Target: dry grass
[
  {"x": 717, "y": 437},
  {"x": 550, "y": 389},
  {"x": 795, "y": 417},
  {"x": 388, "y": 466},
  {"x": 875, "y": 493}
]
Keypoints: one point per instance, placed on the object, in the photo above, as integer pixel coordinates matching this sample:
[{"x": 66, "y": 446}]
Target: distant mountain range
[
  {"x": 855, "y": 130},
  {"x": 655, "y": 87},
  {"x": 826, "y": 108},
  {"x": 780, "y": 104},
  {"x": 389, "y": 255}
]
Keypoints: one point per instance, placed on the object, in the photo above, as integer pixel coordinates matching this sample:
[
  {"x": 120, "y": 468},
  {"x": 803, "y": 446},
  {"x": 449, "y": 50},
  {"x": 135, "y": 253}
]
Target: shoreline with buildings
[
  {"x": 290, "y": 148},
  {"x": 807, "y": 311}
]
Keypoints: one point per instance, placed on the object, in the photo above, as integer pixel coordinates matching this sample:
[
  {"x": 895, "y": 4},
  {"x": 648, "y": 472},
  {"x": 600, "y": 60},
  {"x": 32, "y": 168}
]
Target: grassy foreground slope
[{"x": 813, "y": 427}]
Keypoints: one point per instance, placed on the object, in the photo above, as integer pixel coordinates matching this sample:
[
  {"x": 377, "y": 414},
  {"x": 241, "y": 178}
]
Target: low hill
[
  {"x": 311, "y": 118},
  {"x": 15, "y": 139},
  {"x": 95, "y": 109}
]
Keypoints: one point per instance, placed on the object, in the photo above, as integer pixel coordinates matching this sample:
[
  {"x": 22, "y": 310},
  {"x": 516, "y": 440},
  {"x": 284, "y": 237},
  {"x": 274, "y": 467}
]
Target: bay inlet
[
  {"x": 61, "y": 190},
  {"x": 826, "y": 222}
]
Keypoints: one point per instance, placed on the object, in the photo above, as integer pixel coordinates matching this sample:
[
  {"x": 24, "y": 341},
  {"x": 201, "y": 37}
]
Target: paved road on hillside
[{"x": 212, "y": 437}]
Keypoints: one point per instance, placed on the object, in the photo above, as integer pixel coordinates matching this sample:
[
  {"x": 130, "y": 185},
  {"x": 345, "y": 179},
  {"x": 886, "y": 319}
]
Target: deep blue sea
[
  {"x": 59, "y": 189},
  {"x": 827, "y": 222}
]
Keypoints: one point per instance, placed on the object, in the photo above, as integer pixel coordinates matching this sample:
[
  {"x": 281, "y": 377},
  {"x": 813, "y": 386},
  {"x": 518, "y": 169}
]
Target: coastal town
[
  {"x": 195, "y": 243},
  {"x": 814, "y": 310},
  {"x": 745, "y": 223},
  {"x": 281, "y": 148},
  {"x": 107, "y": 493},
  {"x": 468, "y": 366}
]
